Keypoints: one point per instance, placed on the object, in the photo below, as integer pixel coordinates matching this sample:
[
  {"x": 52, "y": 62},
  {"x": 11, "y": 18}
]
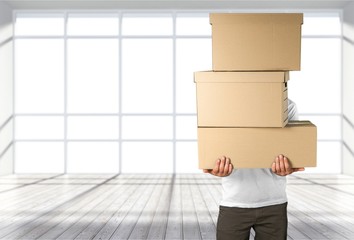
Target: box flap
[
  {"x": 256, "y": 18},
  {"x": 239, "y": 77}
]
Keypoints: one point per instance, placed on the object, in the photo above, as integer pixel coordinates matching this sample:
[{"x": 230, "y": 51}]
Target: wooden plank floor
[{"x": 158, "y": 206}]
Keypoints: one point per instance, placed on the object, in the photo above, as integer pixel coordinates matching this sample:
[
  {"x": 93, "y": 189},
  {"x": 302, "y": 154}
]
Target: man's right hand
[{"x": 223, "y": 167}]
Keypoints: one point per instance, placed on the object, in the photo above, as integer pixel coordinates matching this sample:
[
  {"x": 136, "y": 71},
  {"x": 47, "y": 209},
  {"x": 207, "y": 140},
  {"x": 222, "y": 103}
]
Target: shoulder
[{"x": 292, "y": 110}]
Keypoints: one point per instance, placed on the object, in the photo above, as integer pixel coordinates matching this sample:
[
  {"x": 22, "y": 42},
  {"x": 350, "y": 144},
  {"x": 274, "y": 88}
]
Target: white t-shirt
[{"x": 256, "y": 187}]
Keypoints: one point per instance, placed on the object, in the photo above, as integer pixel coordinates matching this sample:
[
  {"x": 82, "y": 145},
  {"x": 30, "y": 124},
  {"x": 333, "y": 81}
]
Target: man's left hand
[{"x": 282, "y": 167}]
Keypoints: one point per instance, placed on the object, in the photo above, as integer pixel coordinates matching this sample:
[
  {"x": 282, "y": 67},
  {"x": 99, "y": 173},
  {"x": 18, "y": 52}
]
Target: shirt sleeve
[{"x": 292, "y": 111}]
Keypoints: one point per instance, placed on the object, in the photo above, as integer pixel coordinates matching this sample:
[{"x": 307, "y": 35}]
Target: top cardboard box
[{"x": 256, "y": 42}]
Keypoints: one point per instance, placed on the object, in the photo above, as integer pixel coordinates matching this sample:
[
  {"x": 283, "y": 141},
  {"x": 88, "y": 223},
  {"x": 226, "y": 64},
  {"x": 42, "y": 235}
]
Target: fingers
[
  {"x": 276, "y": 165},
  {"x": 286, "y": 164},
  {"x": 281, "y": 163},
  {"x": 222, "y": 168},
  {"x": 217, "y": 165},
  {"x": 228, "y": 167},
  {"x": 282, "y": 166},
  {"x": 231, "y": 167},
  {"x": 298, "y": 169},
  {"x": 222, "y": 163}
]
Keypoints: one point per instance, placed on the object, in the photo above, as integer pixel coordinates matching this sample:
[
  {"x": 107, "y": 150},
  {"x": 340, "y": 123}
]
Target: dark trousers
[{"x": 269, "y": 223}]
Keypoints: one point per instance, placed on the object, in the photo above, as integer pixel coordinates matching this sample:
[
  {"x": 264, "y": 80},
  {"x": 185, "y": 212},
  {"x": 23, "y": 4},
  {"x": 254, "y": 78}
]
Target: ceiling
[{"x": 178, "y": 4}]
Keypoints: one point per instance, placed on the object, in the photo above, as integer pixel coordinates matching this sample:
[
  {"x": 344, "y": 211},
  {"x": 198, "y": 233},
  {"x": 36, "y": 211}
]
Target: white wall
[
  {"x": 6, "y": 89},
  {"x": 348, "y": 89}
]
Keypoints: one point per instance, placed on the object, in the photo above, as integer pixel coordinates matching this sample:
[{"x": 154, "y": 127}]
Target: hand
[
  {"x": 223, "y": 167},
  {"x": 282, "y": 167}
]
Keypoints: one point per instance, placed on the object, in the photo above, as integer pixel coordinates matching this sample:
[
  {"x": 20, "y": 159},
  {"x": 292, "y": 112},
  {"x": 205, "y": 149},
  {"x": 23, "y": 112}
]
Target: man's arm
[
  {"x": 282, "y": 167},
  {"x": 223, "y": 167}
]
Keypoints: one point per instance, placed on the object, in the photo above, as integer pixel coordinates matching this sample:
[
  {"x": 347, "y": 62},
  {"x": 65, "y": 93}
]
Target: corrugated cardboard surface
[
  {"x": 242, "y": 99},
  {"x": 258, "y": 41},
  {"x": 258, "y": 147}
]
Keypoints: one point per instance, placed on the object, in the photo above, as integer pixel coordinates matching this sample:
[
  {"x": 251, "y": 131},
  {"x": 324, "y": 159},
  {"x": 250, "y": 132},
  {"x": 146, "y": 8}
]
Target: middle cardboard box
[{"x": 242, "y": 99}]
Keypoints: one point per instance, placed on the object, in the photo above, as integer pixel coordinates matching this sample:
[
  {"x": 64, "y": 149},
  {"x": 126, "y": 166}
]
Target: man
[{"x": 254, "y": 198}]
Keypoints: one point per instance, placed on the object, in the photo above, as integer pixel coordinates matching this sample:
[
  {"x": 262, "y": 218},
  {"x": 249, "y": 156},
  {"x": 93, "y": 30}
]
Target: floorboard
[{"x": 158, "y": 206}]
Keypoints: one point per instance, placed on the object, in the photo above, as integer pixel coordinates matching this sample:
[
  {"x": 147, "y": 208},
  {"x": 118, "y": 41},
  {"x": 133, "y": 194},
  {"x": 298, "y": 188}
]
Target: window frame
[{"x": 174, "y": 114}]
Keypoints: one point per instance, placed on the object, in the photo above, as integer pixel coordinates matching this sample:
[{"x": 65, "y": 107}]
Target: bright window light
[
  {"x": 138, "y": 24},
  {"x": 327, "y": 158},
  {"x": 147, "y": 75},
  {"x": 319, "y": 76},
  {"x": 39, "y": 157},
  {"x": 192, "y": 24},
  {"x": 147, "y": 157},
  {"x": 191, "y": 55},
  {"x": 93, "y": 25},
  {"x": 147, "y": 127},
  {"x": 187, "y": 157},
  {"x": 186, "y": 127},
  {"x": 39, "y": 127},
  {"x": 321, "y": 25},
  {"x": 104, "y": 92},
  {"x": 92, "y": 66},
  {"x": 39, "y": 25},
  {"x": 39, "y": 76},
  {"x": 93, "y": 157},
  {"x": 93, "y": 127}
]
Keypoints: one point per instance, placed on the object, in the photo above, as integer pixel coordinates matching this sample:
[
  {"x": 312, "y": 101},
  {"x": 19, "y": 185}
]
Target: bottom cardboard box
[{"x": 258, "y": 147}]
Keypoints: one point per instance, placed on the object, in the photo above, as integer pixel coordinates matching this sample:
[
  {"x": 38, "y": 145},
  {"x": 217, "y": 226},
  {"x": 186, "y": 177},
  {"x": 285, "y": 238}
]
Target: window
[
  {"x": 92, "y": 24},
  {"x": 39, "y": 24},
  {"x": 92, "y": 76},
  {"x": 111, "y": 92},
  {"x": 39, "y": 81},
  {"x": 316, "y": 89},
  {"x": 147, "y": 76}
]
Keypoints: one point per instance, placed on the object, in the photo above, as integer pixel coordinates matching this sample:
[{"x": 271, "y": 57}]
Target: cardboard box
[
  {"x": 258, "y": 41},
  {"x": 242, "y": 99},
  {"x": 258, "y": 147}
]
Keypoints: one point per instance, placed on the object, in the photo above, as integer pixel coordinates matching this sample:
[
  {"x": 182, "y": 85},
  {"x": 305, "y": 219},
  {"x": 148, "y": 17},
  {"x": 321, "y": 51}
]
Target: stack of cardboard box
[{"x": 242, "y": 104}]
